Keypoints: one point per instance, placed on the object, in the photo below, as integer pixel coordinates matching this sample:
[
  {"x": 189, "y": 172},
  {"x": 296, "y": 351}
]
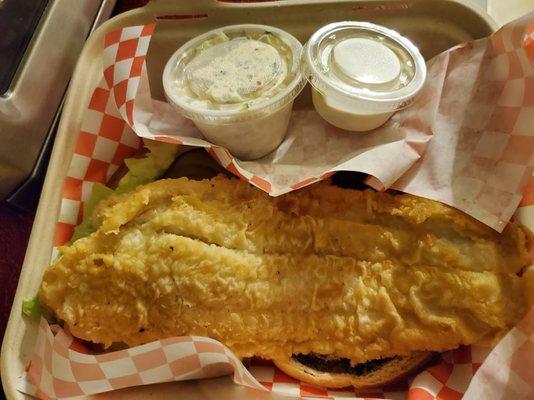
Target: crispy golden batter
[{"x": 359, "y": 275}]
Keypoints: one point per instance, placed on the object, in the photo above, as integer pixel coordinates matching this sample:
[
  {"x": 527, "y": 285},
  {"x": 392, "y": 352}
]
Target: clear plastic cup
[
  {"x": 361, "y": 73},
  {"x": 237, "y": 84}
]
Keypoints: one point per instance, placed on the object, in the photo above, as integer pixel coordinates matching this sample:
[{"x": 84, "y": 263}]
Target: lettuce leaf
[
  {"x": 32, "y": 309},
  {"x": 140, "y": 171},
  {"x": 147, "y": 169},
  {"x": 99, "y": 193}
]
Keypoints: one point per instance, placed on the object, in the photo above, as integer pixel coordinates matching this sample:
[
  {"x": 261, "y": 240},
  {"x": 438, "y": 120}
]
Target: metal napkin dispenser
[{"x": 39, "y": 47}]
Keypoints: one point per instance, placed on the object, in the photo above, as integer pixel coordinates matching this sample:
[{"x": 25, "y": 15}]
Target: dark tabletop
[{"x": 15, "y": 227}]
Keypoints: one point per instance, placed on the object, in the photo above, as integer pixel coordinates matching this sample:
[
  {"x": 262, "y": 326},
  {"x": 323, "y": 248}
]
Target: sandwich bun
[{"x": 373, "y": 374}]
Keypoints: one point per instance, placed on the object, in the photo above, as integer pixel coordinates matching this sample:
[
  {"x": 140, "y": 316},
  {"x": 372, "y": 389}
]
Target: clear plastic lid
[
  {"x": 234, "y": 73},
  {"x": 364, "y": 66}
]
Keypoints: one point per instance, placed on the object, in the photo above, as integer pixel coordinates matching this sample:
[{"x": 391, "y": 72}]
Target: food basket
[{"x": 433, "y": 26}]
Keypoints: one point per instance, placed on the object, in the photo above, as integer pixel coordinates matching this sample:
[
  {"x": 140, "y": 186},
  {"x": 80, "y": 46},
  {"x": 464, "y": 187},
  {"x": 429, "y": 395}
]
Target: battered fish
[{"x": 357, "y": 275}]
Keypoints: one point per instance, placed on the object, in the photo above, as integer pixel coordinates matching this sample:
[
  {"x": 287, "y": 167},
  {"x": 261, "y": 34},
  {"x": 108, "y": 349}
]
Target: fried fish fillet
[{"x": 323, "y": 270}]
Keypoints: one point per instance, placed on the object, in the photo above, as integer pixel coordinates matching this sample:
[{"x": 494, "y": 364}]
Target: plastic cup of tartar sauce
[
  {"x": 361, "y": 73},
  {"x": 237, "y": 84}
]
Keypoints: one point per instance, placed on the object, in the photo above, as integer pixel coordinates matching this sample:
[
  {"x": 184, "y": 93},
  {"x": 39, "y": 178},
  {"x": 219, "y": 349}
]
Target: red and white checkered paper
[
  {"x": 468, "y": 141},
  {"x": 481, "y": 156},
  {"x": 62, "y": 367}
]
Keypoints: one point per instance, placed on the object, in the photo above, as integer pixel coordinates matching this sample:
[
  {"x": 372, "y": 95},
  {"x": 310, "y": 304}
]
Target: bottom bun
[{"x": 338, "y": 373}]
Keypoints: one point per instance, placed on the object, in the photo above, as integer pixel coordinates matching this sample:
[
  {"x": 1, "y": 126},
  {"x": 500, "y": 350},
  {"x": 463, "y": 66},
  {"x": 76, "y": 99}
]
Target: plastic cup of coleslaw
[
  {"x": 237, "y": 84},
  {"x": 361, "y": 73}
]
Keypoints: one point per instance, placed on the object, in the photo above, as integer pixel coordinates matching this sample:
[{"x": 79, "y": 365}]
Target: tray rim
[{"x": 41, "y": 237}]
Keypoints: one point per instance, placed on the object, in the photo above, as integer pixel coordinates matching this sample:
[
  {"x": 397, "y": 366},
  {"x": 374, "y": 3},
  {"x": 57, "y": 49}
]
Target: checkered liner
[
  {"x": 477, "y": 106},
  {"x": 487, "y": 110},
  {"x": 63, "y": 367}
]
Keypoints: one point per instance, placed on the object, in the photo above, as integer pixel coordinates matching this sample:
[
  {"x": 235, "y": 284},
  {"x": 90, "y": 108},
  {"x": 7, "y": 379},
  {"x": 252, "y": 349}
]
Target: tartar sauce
[{"x": 237, "y": 84}]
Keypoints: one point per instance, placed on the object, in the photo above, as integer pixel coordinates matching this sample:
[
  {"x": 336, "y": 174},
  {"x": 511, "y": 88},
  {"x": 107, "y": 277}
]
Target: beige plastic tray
[{"x": 434, "y": 25}]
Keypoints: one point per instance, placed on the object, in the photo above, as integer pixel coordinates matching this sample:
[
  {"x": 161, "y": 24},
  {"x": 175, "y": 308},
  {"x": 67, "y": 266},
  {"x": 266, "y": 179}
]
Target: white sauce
[{"x": 361, "y": 73}]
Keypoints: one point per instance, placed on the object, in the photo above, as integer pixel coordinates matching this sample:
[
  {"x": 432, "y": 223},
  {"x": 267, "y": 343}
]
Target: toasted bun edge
[{"x": 392, "y": 371}]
